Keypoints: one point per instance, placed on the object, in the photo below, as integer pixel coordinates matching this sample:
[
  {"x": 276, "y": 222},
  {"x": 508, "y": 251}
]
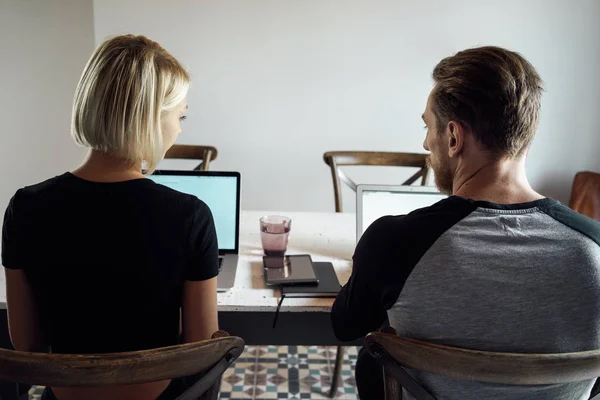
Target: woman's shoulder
[
  {"x": 27, "y": 201},
  {"x": 176, "y": 197},
  {"x": 179, "y": 205},
  {"x": 67, "y": 190},
  {"x": 32, "y": 192}
]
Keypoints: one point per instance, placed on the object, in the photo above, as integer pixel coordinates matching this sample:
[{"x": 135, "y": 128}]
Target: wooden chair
[
  {"x": 395, "y": 352},
  {"x": 336, "y": 159},
  {"x": 585, "y": 195},
  {"x": 206, "y": 154},
  {"x": 212, "y": 357}
]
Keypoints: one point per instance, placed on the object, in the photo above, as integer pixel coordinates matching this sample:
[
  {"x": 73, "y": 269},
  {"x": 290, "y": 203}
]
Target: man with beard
[{"x": 496, "y": 266}]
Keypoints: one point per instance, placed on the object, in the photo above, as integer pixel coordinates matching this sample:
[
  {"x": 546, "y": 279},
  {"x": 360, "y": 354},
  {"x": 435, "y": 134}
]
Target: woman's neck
[{"x": 103, "y": 167}]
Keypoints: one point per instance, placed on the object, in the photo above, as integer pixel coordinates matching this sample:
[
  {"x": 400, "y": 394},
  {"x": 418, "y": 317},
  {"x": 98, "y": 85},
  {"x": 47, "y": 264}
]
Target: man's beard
[{"x": 442, "y": 175}]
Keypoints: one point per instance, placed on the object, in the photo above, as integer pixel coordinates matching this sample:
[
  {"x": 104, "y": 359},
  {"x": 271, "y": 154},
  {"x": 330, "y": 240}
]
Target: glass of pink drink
[{"x": 275, "y": 234}]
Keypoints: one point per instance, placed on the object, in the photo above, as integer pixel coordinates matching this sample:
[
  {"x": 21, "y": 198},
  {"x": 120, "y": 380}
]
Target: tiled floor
[
  {"x": 294, "y": 372},
  {"x": 36, "y": 393},
  {"x": 285, "y": 372}
]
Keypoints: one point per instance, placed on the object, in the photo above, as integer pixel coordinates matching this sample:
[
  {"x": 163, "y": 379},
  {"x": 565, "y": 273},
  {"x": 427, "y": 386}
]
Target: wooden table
[
  {"x": 325, "y": 236},
  {"x": 248, "y": 309}
]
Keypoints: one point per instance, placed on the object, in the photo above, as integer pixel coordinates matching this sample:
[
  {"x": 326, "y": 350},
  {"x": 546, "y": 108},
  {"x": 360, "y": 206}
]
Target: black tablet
[{"x": 289, "y": 270}]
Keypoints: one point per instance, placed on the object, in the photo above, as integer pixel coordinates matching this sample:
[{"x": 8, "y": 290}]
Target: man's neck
[{"x": 503, "y": 181}]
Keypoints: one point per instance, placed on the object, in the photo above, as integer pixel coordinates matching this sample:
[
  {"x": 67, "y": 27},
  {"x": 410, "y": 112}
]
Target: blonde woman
[{"x": 102, "y": 259}]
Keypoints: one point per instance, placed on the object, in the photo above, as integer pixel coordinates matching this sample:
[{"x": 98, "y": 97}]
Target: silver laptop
[
  {"x": 221, "y": 193},
  {"x": 376, "y": 201}
]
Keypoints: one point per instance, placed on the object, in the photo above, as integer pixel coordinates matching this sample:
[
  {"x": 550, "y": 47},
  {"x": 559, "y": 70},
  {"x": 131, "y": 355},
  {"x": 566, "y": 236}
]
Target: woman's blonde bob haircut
[{"x": 125, "y": 86}]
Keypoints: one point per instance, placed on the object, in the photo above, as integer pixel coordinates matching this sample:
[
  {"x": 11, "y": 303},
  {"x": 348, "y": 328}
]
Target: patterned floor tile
[
  {"x": 316, "y": 381},
  {"x": 352, "y": 351},
  {"x": 35, "y": 393},
  {"x": 239, "y": 381},
  {"x": 271, "y": 380},
  {"x": 268, "y": 352},
  {"x": 318, "y": 352}
]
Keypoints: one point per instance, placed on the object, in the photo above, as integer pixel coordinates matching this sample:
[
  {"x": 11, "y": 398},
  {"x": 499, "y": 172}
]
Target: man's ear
[{"x": 456, "y": 138}]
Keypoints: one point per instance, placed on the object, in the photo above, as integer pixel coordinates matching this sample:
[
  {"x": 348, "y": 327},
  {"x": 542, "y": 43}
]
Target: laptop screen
[
  {"x": 378, "y": 202},
  {"x": 219, "y": 192}
]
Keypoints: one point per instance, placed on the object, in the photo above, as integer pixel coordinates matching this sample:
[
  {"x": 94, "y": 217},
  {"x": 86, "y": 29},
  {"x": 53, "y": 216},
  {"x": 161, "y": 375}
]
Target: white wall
[
  {"x": 44, "y": 45},
  {"x": 278, "y": 83}
]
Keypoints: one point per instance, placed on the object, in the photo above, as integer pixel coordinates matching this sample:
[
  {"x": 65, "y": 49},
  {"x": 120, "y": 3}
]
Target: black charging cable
[{"x": 277, "y": 311}]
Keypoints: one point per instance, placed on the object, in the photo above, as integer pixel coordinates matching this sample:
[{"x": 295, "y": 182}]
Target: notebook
[{"x": 328, "y": 285}]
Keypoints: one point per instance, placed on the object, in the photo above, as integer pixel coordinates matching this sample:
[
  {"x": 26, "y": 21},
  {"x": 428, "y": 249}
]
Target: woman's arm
[
  {"x": 23, "y": 316},
  {"x": 199, "y": 302},
  {"x": 199, "y": 309}
]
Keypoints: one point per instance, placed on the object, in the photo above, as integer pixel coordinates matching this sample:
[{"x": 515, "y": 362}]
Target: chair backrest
[
  {"x": 206, "y": 154},
  {"x": 336, "y": 159},
  {"x": 585, "y": 195},
  {"x": 473, "y": 365},
  {"x": 91, "y": 370}
]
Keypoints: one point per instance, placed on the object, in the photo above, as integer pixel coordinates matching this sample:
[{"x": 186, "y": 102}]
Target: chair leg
[
  {"x": 213, "y": 392},
  {"x": 337, "y": 371},
  {"x": 393, "y": 390}
]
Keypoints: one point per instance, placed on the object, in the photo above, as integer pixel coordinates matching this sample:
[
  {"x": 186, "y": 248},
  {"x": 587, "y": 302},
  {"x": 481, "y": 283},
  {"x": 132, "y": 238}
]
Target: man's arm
[
  {"x": 356, "y": 312},
  {"x": 375, "y": 283},
  {"x": 384, "y": 258}
]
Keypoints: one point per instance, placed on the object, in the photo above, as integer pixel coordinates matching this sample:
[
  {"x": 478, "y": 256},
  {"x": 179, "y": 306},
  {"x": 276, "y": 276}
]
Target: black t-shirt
[{"x": 107, "y": 261}]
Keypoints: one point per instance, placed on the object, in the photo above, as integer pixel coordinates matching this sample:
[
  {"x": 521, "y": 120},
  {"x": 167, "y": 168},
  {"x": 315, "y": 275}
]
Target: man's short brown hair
[{"x": 494, "y": 92}]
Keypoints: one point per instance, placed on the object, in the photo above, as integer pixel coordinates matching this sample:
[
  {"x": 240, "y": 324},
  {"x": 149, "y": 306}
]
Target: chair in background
[
  {"x": 396, "y": 353},
  {"x": 206, "y": 154},
  {"x": 212, "y": 357},
  {"x": 336, "y": 159},
  {"x": 585, "y": 195}
]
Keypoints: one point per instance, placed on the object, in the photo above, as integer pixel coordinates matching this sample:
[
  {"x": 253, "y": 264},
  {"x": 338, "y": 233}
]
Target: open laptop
[
  {"x": 376, "y": 201},
  {"x": 221, "y": 193}
]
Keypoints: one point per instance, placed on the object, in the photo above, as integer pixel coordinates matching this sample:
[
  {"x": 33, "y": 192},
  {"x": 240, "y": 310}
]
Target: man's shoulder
[
  {"x": 574, "y": 220},
  {"x": 442, "y": 214},
  {"x": 421, "y": 226}
]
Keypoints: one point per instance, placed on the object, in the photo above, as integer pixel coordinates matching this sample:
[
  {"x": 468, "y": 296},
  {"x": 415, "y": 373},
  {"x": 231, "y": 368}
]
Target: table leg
[{"x": 337, "y": 371}]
